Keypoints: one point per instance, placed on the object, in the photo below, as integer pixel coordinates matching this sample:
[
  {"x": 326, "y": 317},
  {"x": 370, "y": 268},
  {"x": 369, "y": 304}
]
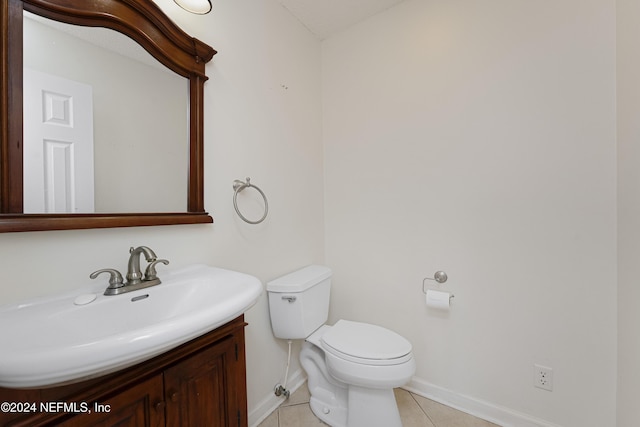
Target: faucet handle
[
  {"x": 150, "y": 273},
  {"x": 115, "y": 278}
]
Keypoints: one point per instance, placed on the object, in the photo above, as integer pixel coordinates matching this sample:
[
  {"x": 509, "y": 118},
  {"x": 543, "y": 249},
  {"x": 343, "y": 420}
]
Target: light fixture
[{"x": 200, "y": 7}]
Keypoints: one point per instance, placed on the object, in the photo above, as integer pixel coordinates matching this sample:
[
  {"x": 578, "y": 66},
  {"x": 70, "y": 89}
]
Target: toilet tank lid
[{"x": 300, "y": 280}]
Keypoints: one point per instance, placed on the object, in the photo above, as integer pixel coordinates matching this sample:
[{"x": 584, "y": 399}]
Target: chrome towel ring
[{"x": 238, "y": 186}]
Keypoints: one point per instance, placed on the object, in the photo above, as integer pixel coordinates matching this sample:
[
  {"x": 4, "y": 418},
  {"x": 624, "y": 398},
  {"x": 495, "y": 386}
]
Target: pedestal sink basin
[{"x": 83, "y": 334}]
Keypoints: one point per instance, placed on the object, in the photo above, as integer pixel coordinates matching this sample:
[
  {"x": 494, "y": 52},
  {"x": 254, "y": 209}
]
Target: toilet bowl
[{"x": 351, "y": 367}]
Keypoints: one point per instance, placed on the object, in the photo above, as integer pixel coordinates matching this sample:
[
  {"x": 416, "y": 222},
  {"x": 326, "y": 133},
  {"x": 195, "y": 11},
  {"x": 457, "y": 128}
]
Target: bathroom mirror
[
  {"x": 177, "y": 58},
  {"x": 129, "y": 155}
]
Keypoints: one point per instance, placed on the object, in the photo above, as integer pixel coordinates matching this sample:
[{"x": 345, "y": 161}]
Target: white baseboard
[
  {"x": 271, "y": 402},
  {"x": 496, "y": 414}
]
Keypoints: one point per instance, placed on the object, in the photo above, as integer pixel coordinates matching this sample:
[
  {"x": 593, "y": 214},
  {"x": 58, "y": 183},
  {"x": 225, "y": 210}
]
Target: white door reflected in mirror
[{"x": 58, "y": 145}]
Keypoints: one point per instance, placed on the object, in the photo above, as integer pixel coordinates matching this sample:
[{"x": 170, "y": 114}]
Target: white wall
[
  {"x": 478, "y": 138},
  {"x": 628, "y": 67},
  {"x": 253, "y": 127}
]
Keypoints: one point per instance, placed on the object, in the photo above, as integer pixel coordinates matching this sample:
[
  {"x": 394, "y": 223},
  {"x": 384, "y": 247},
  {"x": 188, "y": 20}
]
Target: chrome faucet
[
  {"x": 135, "y": 279},
  {"x": 134, "y": 275}
]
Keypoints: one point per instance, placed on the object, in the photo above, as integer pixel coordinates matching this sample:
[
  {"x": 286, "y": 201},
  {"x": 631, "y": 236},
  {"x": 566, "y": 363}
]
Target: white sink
[{"x": 53, "y": 340}]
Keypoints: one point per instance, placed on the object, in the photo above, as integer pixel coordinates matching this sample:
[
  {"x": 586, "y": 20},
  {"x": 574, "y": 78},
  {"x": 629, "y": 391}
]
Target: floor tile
[
  {"x": 444, "y": 416},
  {"x": 271, "y": 420},
  {"x": 411, "y": 413},
  {"x": 298, "y": 416}
]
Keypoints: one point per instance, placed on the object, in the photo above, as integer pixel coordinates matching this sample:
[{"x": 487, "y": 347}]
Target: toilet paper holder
[{"x": 439, "y": 276}]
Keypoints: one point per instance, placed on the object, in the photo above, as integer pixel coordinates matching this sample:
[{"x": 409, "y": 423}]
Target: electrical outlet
[{"x": 543, "y": 377}]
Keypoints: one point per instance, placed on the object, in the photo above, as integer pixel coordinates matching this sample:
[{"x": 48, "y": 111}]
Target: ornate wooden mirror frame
[{"x": 145, "y": 23}]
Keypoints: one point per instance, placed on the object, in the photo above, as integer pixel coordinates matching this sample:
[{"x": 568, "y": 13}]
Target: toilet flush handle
[{"x": 290, "y": 298}]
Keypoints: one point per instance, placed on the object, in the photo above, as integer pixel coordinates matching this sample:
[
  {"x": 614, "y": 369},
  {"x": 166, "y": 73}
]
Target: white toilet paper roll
[{"x": 438, "y": 299}]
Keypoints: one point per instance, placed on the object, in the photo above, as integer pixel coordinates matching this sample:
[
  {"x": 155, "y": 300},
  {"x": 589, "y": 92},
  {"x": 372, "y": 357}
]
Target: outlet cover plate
[{"x": 543, "y": 377}]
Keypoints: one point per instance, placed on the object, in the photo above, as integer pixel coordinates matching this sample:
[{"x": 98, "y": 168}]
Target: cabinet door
[
  {"x": 197, "y": 390},
  {"x": 139, "y": 406}
]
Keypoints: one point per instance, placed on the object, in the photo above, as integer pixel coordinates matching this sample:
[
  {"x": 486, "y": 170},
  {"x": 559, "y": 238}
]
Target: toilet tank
[{"x": 299, "y": 302}]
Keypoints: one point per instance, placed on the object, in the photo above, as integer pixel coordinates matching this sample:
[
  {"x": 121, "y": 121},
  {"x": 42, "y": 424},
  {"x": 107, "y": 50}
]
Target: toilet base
[
  {"x": 346, "y": 405},
  {"x": 367, "y": 408},
  {"x": 372, "y": 408}
]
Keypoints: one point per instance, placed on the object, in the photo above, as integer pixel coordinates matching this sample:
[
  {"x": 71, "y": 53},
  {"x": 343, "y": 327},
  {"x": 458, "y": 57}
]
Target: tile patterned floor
[{"x": 415, "y": 411}]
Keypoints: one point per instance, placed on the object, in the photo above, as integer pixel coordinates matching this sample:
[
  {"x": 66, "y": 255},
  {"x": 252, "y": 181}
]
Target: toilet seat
[{"x": 366, "y": 344}]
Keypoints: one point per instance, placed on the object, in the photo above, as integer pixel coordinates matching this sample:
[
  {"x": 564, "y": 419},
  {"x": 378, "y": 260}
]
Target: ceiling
[{"x": 325, "y": 17}]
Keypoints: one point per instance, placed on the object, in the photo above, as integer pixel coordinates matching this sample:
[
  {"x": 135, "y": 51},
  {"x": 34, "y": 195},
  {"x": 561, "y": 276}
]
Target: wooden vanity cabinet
[
  {"x": 197, "y": 389},
  {"x": 200, "y": 383},
  {"x": 140, "y": 406}
]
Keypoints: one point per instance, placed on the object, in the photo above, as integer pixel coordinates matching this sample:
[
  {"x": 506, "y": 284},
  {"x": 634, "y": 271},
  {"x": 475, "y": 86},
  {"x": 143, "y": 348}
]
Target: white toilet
[{"x": 351, "y": 367}]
